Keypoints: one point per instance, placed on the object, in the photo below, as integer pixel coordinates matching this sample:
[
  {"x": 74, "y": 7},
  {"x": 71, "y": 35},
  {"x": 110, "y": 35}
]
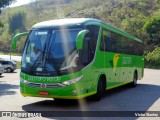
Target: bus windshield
[{"x": 50, "y": 50}]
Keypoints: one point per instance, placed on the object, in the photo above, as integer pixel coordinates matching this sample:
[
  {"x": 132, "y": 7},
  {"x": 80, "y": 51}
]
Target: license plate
[{"x": 43, "y": 93}]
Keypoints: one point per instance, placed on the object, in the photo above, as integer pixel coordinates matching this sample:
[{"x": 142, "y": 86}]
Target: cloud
[{"x": 21, "y": 2}]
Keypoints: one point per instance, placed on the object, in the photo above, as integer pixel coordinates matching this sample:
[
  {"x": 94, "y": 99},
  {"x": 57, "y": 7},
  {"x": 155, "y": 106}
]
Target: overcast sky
[{"x": 20, "y": 2}]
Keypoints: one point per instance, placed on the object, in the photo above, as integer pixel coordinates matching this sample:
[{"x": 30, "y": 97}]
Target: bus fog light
[{"x": 74, "y": 92}]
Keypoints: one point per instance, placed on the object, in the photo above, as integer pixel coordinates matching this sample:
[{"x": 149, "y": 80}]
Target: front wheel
[{"x": 101, "y": 89}]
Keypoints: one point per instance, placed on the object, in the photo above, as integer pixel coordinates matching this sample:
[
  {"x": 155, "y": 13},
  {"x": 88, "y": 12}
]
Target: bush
[{"x": 153, "y": 58}]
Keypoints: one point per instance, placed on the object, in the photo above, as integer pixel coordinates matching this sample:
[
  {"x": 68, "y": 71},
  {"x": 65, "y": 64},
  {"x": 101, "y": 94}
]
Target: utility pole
[{"x": 10, "y": 55}]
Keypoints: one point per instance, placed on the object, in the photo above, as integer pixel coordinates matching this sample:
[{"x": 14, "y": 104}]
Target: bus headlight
[
  {"x": 69, "y": 82},
  {"x": 23, "y": 81}
]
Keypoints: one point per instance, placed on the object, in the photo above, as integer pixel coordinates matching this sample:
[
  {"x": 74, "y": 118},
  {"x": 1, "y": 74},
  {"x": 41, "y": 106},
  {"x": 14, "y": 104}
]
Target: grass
[
  {"x": 8, "y": 53},
  {"x": 18, "y": 65}
]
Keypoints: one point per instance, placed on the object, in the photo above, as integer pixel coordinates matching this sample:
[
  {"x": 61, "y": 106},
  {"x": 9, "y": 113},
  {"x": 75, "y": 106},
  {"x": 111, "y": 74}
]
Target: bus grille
[{"x": 42, "y": 85}]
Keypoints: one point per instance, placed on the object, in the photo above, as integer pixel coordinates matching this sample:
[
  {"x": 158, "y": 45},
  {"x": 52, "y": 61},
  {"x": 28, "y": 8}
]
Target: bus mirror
[
  {"x": 17, "y": 37},
  {"x": 80, "y": 38}
]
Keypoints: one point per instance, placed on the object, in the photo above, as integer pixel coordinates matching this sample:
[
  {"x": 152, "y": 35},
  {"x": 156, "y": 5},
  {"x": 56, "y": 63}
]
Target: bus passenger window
[{"x": 106, "y": 41}]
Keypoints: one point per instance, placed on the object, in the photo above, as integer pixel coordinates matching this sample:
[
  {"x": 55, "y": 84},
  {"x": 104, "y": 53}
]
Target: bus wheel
[
  {"x": 101, "y": 88},
  {"x": 134, "y": 83}
]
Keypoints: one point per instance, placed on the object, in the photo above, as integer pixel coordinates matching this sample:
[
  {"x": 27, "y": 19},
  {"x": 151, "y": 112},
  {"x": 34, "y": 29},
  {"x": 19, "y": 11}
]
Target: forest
[{"x": 140, "y": 18}]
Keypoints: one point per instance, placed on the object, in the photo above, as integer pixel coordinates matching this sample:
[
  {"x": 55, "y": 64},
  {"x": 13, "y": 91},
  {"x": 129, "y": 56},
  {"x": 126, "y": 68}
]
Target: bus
[{"x": 78, "y": 57}]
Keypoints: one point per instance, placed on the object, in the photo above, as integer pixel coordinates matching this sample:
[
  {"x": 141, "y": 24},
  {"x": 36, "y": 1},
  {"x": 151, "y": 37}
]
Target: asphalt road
[{"x": 145, "y": 97}]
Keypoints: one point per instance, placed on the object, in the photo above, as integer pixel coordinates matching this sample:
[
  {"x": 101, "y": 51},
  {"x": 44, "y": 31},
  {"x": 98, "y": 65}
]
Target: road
[{"x": 145, "y": 97}]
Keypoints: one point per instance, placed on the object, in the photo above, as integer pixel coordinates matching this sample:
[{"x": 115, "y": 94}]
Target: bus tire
[
  {"x": 134, "y": 82},
  {"x": 101, "y": 89}
]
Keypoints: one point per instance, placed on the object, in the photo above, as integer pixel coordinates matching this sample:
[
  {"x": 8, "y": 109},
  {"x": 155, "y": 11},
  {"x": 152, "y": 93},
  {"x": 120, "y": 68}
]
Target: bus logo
[
  {"x": 43, "y": 85},
  {"x": 115, "y": 61}
]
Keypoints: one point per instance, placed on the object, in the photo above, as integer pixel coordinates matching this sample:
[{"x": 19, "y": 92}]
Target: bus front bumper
[{"x": 60, "y": 91}]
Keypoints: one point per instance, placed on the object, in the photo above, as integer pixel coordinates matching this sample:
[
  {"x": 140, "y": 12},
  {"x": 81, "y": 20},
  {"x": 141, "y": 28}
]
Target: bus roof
[
  {"x": 71, "y": 22},
  {"x": 63, "y": 22}
]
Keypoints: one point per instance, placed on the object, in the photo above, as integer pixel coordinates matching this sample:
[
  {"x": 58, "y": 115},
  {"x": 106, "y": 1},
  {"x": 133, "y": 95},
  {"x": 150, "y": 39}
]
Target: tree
[
  {"x": 17, "y": 22},
  {"x": 3, "y": 4},
  {"x": 1, "y": 24},
  {"x": 153, "y": 57},
  {"x": 152, "y": 28}
]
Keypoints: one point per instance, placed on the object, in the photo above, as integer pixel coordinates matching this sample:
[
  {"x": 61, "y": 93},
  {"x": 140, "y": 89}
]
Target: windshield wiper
[
  {"x": 44, "y": 58},
  {"x": 40, "y": 56}
]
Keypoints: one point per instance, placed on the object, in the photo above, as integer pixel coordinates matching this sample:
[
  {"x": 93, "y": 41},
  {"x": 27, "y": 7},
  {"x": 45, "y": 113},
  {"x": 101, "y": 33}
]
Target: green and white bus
[{"x": 76, "y": 58}]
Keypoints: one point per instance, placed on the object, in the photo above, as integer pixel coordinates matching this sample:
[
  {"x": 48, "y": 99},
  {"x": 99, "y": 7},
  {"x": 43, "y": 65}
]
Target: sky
[{"x": 20, "y": 2}]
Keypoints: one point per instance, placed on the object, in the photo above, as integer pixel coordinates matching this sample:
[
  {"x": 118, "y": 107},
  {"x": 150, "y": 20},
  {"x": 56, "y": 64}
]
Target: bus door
[
  {"x": 86, "y": 63},
  {"x": 88, "y": 53}
]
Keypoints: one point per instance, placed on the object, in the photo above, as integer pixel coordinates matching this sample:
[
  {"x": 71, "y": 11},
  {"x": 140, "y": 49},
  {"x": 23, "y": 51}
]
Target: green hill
[{"x": 128, "y": 15}]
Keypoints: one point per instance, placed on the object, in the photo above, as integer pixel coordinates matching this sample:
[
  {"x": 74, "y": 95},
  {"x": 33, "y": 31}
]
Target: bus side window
[{"x": 106, "y": 41}]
